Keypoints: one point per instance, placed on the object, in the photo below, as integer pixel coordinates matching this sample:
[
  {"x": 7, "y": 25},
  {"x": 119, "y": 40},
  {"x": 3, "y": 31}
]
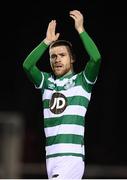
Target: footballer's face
[{"x": 60, "y": 60}]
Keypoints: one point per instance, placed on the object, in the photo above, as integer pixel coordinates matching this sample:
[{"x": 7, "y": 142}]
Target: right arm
[{"x": 29, "y": 65}]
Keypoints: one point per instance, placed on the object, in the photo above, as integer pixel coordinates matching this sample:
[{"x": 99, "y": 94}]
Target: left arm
[{"x": 92, "y": 67}]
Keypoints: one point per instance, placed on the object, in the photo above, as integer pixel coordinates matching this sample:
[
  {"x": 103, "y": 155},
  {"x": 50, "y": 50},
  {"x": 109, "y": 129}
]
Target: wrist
[
  {"x": 47, "y": 42},
  {"x": 80, "y": 30}
]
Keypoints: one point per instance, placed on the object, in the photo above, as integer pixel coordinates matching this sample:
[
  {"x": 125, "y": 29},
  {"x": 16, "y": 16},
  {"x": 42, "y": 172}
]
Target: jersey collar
[{"x": 67, "y": 75}]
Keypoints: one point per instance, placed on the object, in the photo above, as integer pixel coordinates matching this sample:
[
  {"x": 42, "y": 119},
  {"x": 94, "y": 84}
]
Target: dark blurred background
[{"x": 23, "y": 26}]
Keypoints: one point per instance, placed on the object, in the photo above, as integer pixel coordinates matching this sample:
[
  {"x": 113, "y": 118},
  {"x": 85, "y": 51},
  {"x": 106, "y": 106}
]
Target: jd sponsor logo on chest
[{"x": 58, "y": 103}]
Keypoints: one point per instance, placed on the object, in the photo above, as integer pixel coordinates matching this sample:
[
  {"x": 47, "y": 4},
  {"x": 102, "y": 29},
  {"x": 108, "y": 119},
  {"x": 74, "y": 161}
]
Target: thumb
[{"x": 57, "y": 35}]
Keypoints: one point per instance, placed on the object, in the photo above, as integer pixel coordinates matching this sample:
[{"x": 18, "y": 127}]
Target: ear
[{"x": 72, "y": 60}]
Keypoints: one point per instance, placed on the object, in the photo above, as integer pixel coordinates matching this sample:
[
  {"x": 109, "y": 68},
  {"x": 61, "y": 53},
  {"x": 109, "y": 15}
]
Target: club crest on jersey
[
  {"x": 58, "y": 103},
  {"x": 51, "y": 86},
  {"x": 69, "y": 84}
]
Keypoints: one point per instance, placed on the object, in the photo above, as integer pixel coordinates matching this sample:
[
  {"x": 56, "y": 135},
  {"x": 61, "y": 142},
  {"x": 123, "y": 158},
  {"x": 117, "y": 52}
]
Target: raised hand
[
  {"x": 51, "y": 35},
  {"x": 78, "y": 19}
]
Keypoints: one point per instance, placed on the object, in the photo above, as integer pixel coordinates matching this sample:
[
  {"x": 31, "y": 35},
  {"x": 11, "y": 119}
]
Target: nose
[{"x": 57, "y": 59}]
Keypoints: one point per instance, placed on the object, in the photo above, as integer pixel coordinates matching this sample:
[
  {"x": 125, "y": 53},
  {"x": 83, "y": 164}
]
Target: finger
[
  {"x": 57, "y": 35},
  {"x": 76, "y": 13},
  {"x": 73, "y": 16},
  {"x": 53, "y": 26},
  {"x": 50, "y": 24},
  {"x": 73, "y": 12}
]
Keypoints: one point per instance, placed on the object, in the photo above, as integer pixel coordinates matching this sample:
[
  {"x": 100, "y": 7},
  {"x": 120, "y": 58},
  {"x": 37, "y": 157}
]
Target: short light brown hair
[{"x": 64, "y": 43}]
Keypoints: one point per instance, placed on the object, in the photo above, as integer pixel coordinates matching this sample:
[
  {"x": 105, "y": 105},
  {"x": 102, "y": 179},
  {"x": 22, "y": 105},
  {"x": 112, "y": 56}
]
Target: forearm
[
  {"x": 34, "y": 56},
  {"x": 93, "y": 65},
  {"x": 90, "y": 46},
  {"x": 29, "y": 65}
]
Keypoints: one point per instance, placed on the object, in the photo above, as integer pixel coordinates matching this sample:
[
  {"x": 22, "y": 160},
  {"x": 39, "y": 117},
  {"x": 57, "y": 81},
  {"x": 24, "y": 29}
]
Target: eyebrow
[{"x": 54, "y": 54}]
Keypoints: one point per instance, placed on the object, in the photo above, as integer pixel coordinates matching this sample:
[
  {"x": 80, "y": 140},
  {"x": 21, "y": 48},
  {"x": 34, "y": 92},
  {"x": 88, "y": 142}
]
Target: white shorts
[{"x": 65, "y": 167}]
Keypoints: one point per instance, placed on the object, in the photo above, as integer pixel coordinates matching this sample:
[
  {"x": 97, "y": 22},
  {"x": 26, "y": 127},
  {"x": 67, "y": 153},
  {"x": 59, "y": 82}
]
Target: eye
[
  {"x": 53, "y": 56},
  {"x": 62, "y": 54}
]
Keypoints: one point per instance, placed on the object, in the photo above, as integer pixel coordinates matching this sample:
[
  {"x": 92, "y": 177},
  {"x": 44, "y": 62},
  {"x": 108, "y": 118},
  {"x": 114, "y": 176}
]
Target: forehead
[{"x": 58, "y": 49}]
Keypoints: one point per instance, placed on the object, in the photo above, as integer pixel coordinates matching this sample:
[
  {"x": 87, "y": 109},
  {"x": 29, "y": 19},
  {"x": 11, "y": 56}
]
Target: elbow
[
  {"x": 97, "y": 58},
  {"x": 26, "y": 67}
]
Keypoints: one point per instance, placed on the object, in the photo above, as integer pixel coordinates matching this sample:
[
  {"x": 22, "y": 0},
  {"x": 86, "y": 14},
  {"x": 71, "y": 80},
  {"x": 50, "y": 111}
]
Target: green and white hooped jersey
[{"x": 65, "y": 102}]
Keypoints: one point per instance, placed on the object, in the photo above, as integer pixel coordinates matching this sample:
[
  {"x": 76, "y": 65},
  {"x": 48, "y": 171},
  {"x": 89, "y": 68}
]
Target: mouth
[{"x": 58, "y": 66}]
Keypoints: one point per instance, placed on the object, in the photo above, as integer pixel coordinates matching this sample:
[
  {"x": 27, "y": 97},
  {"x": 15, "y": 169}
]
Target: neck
[{"x": 68, "y": 73}]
